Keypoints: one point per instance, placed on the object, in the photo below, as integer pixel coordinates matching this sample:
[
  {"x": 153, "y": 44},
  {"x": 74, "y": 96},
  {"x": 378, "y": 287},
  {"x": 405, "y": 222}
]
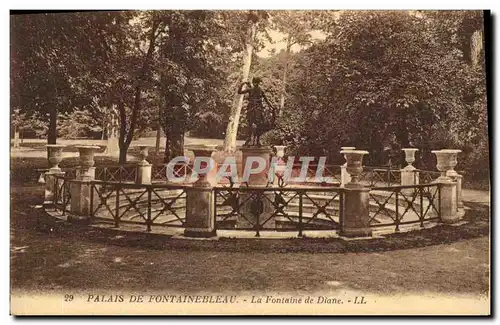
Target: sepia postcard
[{"x": 250, "y": 162}]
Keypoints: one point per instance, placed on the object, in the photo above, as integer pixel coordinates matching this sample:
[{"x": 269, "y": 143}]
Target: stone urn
[
  {"x": 143, "y": 154},
  {"x": 86, "y": 159},
  {"x": 453, "y": 161},
  {"x": 204, "y": 179},
  {"x": 55, "y": 155},
  {"x": 344, "y": 175},
  {"x": 354, "y": 165},
  {"x": 345, "y": 149},
  {"x": 410, "y": 155},
  {"x": 444, "y": 163}
]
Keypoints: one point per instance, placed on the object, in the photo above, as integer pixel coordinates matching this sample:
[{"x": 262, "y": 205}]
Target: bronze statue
[{"x": 256, "y": 120}]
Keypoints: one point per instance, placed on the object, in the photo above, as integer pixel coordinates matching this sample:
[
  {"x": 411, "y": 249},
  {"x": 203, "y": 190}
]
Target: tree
[
  {"x": 296, "y": 25},
  {"x": 361, "y": 78}
]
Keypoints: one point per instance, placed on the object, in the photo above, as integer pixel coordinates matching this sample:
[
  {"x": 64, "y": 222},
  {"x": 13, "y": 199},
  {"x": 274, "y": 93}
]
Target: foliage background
[{"x": 375, "y": 80}]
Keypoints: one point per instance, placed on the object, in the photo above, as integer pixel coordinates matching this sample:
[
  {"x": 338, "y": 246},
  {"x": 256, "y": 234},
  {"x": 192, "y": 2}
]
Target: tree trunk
[
  {"x": 52, "y": 133},
  {"x": 285, "y": 71},
  {"x": 112, "y": 126},
  {"x": 174, "y": 145},
  {"x": 122, "y": 159},
  {"x": 234, "y": 118},
  {"x": 123, "y": 129},
  {"x": 126, "y": 138},
  {"x": 158, "y": 138}
]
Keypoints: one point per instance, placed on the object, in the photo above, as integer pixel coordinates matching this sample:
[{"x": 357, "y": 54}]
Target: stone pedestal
[
  {"x": 446, "y": 160},
  {"x": 409, "y": 176},
  {"x": 80, "y": 201},
  {"x": 456, "y": 177},
  {"x": 143, "y": 175},
  {"x": 254, "y": 202},
  {"x": 356, "y": 221},
  {"x": 448, "y": 204},
  {"x": 80, "y": 188},
  {"x": 249, "y": 154},
  {"x": 200, "y": 214},
  {"x": 50, "y": 185},
  {"x": 460, "y": 202}
]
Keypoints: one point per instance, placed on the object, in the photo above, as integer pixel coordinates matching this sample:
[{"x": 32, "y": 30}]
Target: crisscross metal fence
[
  {"x": 402, "y": 205},
  {"x": 121, "y": 173},
  {"x": 380, "y": 176},
  {"x": 277, "y": 208},
  {"x": 62, "y": 192},
  {"x": 144, "y": 204},
  {"x": 116, "y": 199}
]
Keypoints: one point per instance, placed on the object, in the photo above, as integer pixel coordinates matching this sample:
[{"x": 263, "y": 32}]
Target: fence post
[
  {"x": 143, "y": 174},
  {"x": 200, "y": 204},
  {"x": 81, "y": 188},
  {"x": 448, "y": 188},
  {"x": 356, "y": 215}
]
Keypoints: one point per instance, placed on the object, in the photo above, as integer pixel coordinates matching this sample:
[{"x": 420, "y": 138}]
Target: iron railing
[
  {"x": 277, "y": 208},
  {"x": 62, "y": 192},
  {"x": 145, "y": 204},
  {"x": 121, "y": 173},
  {"x": 116, "y": 199},
  {"x": 402, "y": 205}
]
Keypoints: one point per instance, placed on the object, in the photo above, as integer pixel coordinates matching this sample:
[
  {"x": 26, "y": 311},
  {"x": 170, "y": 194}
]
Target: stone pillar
[
  {"x": 143, "y": 175},
  {"x": 356, "y": 222},
  {"x": 54, "y": 158},
  {"x": 409, "y": 174},
  {"x": 81, "y": 187},
  {"x": 456, "y": 177},
  {"x": 256, "y": 180},
  {"x": 460, "y": 202},
  {"x": 448, "y": 202},
  {"x": 344, "y": 175},
  {"x": 200, "y": 214}
]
